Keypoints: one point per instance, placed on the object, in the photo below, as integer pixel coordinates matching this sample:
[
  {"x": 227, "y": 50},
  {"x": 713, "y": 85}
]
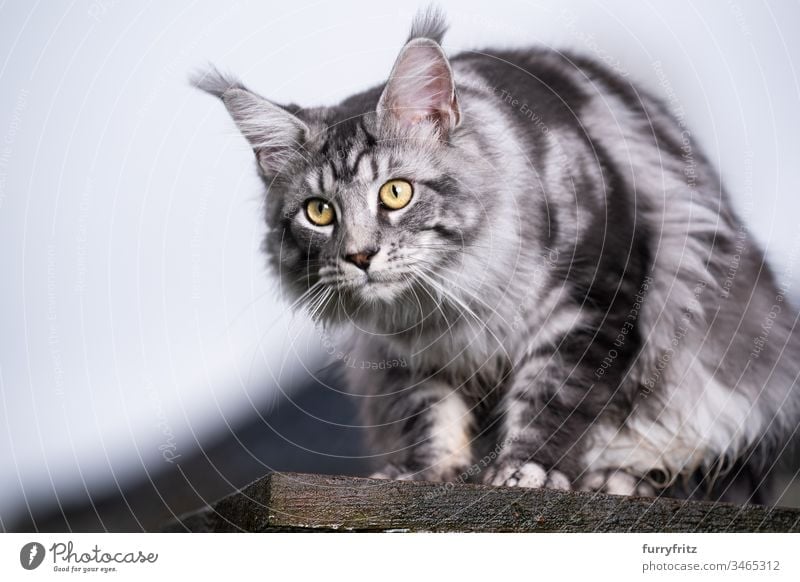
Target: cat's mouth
[
  {"x": 377, "y": 286},
  {"x": 380, "y": 290}
]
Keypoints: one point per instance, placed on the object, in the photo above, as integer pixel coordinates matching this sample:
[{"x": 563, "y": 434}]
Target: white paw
[
  {"x": 616, "y": 483},
  {"x": 531, "y": 475},
  {"x": 394, "y": 473}
]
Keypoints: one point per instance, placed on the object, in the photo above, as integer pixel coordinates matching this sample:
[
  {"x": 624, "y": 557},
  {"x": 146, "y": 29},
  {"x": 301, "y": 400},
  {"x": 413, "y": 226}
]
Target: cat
[{"x": 552, "y": 258}]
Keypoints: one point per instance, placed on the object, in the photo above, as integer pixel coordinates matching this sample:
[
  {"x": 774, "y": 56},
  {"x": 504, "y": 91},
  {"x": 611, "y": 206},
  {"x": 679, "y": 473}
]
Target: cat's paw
[
  {"x": 616, "y": 482},
  {"x": 395, "y": 473},
  {"x": 531, "y": 475},
  {"x": 399, "y": 472}
]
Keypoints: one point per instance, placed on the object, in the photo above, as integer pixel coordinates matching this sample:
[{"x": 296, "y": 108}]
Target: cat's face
[
  {"x": 368, "y": 203},
  {"x": 370, "y": 222}
]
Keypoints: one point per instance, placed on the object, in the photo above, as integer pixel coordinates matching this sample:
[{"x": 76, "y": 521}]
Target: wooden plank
[{"x": 301, "y": 502}]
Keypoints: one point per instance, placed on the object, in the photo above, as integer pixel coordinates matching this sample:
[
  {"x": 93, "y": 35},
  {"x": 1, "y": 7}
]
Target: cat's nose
[{"x": 363, "y": 258}]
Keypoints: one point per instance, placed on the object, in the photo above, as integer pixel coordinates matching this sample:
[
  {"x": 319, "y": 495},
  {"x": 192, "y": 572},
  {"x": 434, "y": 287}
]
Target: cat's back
[
  {"x": 554, "y": 91},
  {"x": 532, "y": 83}
]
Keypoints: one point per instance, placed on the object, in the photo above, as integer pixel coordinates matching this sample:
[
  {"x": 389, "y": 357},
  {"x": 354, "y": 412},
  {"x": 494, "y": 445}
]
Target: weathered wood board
[{"x": 301, "y": 502}]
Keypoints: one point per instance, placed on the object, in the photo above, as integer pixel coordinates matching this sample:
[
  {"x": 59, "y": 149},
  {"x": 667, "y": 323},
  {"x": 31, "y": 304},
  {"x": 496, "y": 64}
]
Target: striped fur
[{"x": 569, "y": 286}]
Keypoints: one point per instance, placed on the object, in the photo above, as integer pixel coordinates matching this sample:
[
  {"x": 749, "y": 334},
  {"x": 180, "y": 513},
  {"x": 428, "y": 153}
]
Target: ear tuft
[
  {"x": 429, "y": 23},
  {"x": 212, "y": 81},
  {"x": 274, "y": 134}
]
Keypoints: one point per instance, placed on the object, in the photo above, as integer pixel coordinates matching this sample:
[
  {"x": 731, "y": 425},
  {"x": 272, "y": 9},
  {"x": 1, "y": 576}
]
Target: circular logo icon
[{"x": 31, "y": 555}]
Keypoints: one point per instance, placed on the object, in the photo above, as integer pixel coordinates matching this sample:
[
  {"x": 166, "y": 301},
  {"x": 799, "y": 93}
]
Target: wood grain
[{"x": 302, "y": 502}]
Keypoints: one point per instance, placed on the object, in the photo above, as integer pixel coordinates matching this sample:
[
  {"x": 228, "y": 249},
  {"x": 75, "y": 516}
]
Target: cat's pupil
[{"x": 395, "y": 190}]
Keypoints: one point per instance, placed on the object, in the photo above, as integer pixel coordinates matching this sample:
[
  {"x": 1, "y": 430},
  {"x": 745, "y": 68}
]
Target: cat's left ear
[{"x": 421, "y": 88}]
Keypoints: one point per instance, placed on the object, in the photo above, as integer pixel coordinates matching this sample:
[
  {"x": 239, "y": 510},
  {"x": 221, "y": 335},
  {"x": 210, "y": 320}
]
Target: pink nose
[{"x": 362, "y": 259}]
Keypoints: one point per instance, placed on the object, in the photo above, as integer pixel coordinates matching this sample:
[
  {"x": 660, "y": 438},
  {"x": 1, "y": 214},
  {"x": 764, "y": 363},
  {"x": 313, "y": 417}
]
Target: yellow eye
[
  {"x": 396, "y": 194},
  {"x": 320, "y": 212}
]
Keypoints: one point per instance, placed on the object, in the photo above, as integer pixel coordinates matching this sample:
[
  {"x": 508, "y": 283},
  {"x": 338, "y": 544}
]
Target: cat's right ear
[{"x": 274, "y": 134}]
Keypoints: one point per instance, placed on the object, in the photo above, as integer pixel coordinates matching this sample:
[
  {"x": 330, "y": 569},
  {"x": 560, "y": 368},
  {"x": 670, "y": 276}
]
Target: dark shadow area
[{"x": 286, "y": 438}]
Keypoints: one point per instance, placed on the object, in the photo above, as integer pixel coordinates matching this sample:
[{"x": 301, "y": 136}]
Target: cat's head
[{"x": 368, "y": 200}]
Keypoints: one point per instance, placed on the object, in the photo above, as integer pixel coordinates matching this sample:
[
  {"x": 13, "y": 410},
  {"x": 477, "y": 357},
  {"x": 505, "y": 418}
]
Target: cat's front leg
[
  {"x": 545, "y": 413},
  {"x": 427, "y": 429}
]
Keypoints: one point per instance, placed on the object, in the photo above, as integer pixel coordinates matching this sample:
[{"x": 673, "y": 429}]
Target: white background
[{"x": 134, "y": 309}]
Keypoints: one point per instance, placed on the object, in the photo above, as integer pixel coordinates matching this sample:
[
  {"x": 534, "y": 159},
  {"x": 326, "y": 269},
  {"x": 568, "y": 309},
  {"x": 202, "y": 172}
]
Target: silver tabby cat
[{"x": 556, "y": 262}]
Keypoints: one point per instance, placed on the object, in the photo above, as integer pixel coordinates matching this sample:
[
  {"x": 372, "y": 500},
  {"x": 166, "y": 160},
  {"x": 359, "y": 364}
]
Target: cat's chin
[{"x": 379, "y": 291}]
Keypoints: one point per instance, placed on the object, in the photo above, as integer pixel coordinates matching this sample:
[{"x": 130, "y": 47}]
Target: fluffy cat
[{"x": 553, "y": 260}]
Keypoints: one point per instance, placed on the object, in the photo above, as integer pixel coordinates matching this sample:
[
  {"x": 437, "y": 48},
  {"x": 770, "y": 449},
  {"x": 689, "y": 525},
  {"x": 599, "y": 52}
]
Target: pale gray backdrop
[{"x": 135, "y": 317}]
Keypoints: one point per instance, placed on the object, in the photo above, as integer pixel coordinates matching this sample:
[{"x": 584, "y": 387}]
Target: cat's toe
[
  {"x": 393, "y": 472},
  {"x": 502, "y": 476},
  {"x": 558, "y": 480},
  {"x": 531, "y": 475},
  {"x": 616, "y": 483}
]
